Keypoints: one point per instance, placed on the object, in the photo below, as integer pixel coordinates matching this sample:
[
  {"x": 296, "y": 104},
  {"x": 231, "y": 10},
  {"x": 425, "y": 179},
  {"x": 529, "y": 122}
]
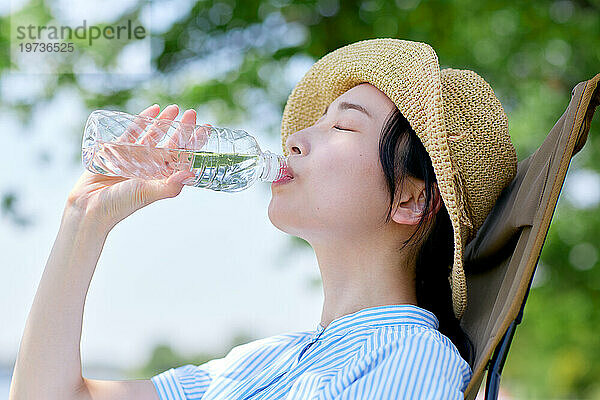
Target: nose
[{"x": 297, "y": 144}]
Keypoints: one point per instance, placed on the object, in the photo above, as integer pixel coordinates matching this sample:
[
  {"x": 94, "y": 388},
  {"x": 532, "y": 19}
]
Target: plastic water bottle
[{"x": 118, "y": 144}]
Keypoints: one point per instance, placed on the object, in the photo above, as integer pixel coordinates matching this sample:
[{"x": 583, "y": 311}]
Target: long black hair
[{"x": 402, "y": 153}]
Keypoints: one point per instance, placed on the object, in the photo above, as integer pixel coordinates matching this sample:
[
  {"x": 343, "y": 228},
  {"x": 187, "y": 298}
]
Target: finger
[
  {"x": 184, "y": 131},
  {"x": 137, "y": 125},
  {"x": 160, "y": 126},
  {"x": 151, "y": 111},
  {"x": 200, "y": 136},
  {"x": 173, "y": 158}
]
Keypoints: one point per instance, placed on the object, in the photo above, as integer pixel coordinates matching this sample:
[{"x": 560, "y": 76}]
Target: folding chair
[{"x": 501, "y": 260}]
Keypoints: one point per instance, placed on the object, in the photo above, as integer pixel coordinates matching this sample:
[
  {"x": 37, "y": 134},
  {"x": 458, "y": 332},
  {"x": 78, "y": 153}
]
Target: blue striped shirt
[{"x": 382, "y": 352}]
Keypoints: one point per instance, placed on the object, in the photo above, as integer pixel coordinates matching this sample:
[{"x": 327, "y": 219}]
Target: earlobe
[
  {"x": 407, "y": 214},
  {"x": 406, "y": 218}
]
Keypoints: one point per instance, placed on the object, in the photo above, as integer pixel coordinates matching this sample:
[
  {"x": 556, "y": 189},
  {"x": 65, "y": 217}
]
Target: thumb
[
  {"x": 179, "y": 177},
  {"x": 169, "y": 187}
]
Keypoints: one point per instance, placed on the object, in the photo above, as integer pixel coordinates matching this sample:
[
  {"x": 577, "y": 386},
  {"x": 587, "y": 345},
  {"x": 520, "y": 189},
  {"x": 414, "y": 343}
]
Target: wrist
[{"x": 82, "y": 219}]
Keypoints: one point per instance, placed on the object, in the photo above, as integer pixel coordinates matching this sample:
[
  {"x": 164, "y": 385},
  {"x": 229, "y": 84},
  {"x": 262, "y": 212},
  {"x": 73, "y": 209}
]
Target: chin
[
  {"x": 284, "y": 218},
  {"x": 276, "y": 217}
]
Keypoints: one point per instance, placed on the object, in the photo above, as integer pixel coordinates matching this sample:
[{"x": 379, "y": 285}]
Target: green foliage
[
  {"x": 163, "y": 358},
  {"x": 531, "y": 53},
  {"x": 8, "y": 209}
]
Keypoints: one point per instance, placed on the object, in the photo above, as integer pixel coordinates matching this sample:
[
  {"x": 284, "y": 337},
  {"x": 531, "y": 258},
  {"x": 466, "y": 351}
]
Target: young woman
[{"x": 365, "y": 195}]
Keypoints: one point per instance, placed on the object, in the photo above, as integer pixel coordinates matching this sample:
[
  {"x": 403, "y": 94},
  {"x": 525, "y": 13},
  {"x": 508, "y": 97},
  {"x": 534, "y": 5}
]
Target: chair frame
[
  {"x": 496, "y": 363},
  {"x": 583, "y": 114}
]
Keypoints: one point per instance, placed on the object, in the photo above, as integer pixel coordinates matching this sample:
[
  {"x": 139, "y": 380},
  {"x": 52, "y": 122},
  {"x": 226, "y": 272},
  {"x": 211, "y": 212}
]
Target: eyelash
[
  {"x": 341, "y": 129},
  {"x": 337, "y": 126}
]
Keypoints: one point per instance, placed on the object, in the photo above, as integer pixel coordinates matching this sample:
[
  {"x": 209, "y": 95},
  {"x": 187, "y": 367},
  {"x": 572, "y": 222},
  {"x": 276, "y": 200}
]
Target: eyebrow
[{"x": 344, "y": 105}]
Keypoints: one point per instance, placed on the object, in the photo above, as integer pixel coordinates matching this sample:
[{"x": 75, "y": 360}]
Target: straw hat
[{"x": 454, "y": 112}]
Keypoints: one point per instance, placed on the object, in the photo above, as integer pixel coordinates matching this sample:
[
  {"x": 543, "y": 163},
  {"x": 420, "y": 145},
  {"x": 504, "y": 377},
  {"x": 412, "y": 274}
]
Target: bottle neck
[{"x": 273, "y": 167}]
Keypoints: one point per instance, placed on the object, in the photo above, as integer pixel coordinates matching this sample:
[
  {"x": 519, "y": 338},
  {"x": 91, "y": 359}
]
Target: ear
[
  {"x": 412, "y": 204},
  {"x": 437, "y": 199}
]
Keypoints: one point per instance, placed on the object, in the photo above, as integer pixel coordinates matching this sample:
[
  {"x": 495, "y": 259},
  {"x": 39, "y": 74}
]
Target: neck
[{"x": 362, "y": 275}]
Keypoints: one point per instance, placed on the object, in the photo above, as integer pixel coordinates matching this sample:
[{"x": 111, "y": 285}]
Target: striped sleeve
[
  {"x": 240, "y": 363},
  {"x": 417, "y": 366},
  {"x": 186, "y": 382}
]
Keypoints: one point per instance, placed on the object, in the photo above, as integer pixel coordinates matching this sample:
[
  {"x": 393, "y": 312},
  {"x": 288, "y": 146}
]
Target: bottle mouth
[
  {"x": 285, "y": 171},
  {"x": 275, "y": 167}
]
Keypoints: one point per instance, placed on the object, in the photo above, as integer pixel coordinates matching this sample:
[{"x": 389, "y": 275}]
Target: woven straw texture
[{"x": 454, "y": 112}]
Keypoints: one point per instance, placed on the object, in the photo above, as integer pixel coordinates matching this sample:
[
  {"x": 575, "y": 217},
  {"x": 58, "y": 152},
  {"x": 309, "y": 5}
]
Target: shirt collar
[{"x": 386, "y": 315}]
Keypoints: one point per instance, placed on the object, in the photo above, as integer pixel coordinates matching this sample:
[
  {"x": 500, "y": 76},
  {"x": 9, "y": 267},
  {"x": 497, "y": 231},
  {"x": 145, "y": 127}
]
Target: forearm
[{"x": 49, "y": 361}]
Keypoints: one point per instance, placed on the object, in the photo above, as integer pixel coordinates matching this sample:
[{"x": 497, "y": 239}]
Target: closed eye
[{"x": 342, "y": 129}]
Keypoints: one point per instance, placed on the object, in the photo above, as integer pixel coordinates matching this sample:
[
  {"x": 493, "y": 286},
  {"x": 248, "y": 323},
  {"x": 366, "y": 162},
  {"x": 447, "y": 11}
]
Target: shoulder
[
  {"x": 432, "y": 360},
  {"x": 405, "y": 361},
  {"x": 411, "y": 338}
]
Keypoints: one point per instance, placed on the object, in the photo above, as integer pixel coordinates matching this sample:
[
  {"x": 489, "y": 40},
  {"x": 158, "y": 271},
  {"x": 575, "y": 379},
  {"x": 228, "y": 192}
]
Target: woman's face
[{"x": 339, "y": 190}]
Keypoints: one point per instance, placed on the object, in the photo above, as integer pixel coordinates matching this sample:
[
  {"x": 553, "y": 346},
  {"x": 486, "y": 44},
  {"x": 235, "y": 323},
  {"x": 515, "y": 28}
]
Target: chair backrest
[{"x": 501, "y": 259}]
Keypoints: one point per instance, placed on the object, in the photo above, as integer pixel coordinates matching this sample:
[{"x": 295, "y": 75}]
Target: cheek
[
  {"x": 340, "y": 193},
  {"x": 352, "y": 189}
]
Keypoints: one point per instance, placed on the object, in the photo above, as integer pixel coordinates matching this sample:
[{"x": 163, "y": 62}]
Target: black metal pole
[{"x": 492, "y": 384}]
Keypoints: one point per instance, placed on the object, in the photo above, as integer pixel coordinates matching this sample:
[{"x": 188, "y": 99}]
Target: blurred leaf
[
  {"x": 163, "y": 357},
  {"x": 8, "y": 207}
]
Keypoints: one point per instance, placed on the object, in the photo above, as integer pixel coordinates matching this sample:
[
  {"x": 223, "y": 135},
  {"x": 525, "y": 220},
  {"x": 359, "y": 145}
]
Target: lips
[
  {"x": 282, "y": 181},
  {"x": 287, "y": 174}
]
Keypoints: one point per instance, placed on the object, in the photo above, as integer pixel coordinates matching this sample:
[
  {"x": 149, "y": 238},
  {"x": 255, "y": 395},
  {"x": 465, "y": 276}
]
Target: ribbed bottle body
[{"x": 222, "y": 159}]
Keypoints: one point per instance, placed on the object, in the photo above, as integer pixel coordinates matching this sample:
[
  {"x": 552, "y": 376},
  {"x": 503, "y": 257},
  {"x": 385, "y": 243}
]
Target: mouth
[
  {"x": 287, "y": 174},
  {"x": 284, "y": 179}
]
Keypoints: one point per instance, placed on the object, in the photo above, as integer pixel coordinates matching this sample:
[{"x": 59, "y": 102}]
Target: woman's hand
[{"x": 108, "y": 199}]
